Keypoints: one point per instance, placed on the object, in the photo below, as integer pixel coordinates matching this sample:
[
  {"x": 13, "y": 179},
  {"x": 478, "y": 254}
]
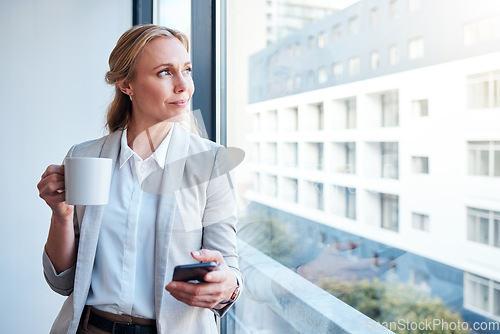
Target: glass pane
[{"x": 345, "y": 211}]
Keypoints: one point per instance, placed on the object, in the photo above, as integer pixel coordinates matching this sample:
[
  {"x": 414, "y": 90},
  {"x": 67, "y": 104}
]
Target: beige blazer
[{"x": 197, "y": 210}]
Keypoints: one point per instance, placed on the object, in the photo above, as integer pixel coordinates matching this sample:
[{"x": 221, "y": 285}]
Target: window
[
  {"x": 297, "y": 81},
  {"x": 484, "y": 158},
  {"x": 416, "y": 48},
  {"x": 420, "y": 280},
  {"x": 297, "y": 50},
  {"x": 312, "y": 195},
  {"x": 389, "y": 105},
  {"x": 336, "y": 34},
  {"x": 313, "y": 156},
  {"x": 310, "y": 78},
  {"x": 420, "y": 221},
  {"x": 343, "y": 201},
  {"x": 414, "y": 5},
  {"x": 373, "y": 17},
  {"x": 482, "y": 294},
  {"x": 270, "y": 185},
  {"x": 482, "y": 30},
  {"x": 393, "y": 9},
  {"x": 289, "y": 190},
  {"x": 290, "y": 155},
  {"x": 337, "y": 69},
  {"x": 350, "y": 113},
  {"x": 420, "y": 165},
  {"x": 390, "y": 211},
  {"x": 483, "y": 90},
  {"x": 353, "y": 66},
  {"x": 420, "y": 108},
  {"x": 353, "y": 25},
  {"x": 393, "y": 55},
  {"x": 344, "y": 157},
  {"x": 390, "y": 160},
  {"x": 310, "y": 42},
  {"x": 322, "y": 75},
  {"x": 483, "y": 226},
  {"x": 374, "y": 60},
  {"x": 321, "y": 39}
]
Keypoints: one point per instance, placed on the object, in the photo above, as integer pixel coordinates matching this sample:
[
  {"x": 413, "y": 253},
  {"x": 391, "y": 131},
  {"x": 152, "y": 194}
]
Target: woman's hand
[
  {"x": 218, "y": 287},
  {"x": 51, "y": 190}
]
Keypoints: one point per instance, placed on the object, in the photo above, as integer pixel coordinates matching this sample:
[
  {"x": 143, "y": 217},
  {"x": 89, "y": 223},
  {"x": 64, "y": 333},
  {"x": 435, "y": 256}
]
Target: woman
[{"x": 115, "y": 262}]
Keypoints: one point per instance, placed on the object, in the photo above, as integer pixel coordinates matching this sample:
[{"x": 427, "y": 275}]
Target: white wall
[{"x": 52, "y": 95}]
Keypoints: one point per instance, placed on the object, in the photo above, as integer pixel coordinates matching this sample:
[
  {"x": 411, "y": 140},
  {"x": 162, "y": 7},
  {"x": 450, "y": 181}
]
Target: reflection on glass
[{"x": 351, "y": 202}]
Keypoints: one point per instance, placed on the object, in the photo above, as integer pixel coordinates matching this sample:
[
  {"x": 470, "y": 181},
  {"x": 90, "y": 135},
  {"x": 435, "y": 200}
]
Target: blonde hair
[{"x": 122, "y": 68}]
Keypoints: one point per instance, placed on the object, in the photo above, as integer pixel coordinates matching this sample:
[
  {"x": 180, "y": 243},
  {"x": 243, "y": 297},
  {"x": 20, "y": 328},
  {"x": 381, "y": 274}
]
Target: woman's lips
[{"x": 179, "y": 103}]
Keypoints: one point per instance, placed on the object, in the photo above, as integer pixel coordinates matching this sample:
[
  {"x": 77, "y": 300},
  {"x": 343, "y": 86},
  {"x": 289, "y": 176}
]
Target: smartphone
[{"x": 193, "y": 272}]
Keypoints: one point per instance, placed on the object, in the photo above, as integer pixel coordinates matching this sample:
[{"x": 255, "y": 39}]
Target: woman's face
[{"x": 163, "y": 85}]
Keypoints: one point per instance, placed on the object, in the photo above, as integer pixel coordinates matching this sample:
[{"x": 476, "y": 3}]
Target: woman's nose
[{"x": 180, "y": 84}]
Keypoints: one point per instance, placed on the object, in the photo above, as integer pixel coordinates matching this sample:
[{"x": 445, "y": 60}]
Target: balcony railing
[{"x": 277, "y": 300}]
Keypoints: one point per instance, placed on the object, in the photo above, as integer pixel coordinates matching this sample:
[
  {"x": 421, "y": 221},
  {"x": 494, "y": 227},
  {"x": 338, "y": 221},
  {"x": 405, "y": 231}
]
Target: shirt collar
[{"x": 159, "y": 155}]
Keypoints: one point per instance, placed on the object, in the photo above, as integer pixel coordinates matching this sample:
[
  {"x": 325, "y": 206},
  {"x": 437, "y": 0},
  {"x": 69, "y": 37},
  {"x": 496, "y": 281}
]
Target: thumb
[{"x": 206, "y": 255}]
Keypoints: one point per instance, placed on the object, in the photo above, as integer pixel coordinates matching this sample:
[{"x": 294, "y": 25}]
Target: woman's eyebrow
[{"x": 170, "y": 65}]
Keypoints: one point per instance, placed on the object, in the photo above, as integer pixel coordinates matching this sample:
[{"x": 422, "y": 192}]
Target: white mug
[{"x": 87, "y": 180}]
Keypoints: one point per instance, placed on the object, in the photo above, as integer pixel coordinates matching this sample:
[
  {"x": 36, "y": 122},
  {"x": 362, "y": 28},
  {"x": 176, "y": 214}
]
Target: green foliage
[
  {"x": 270, "y": 236},
  {"x": 398, "y": 303}
]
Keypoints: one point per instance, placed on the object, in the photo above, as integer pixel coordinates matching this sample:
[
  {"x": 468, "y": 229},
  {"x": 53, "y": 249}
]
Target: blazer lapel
[
  {"x": 90, "y": 225},
  {"x": 171, "y": 181}
]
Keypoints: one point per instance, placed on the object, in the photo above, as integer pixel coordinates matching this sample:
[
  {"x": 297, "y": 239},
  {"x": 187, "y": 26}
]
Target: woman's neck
[{"x": 145, "y": 140}]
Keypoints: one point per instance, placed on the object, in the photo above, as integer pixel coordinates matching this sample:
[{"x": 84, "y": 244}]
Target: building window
[
  {"x": 373, "y": 17},
  {"x": 350, "y": 113},
  {"x": 270, "y": 153},
  {"x": 313, "y": 195},
  {"x": 336, "y": 33},
  {"x": 270, "y": 185},
  {"x": 353, "y": 66},
  {"x": 290, "y": 155},
  {"x": 310, "y": 78},
  {"x": 483, "y": 90},
  {"x": 420, "y": 108},
  {"x": 420, "y": 280},
  {"x": 389, "y": 107},
  {"x": 310, "y": 42},
  {"x": 289, "y": 190},
  {"x": 313, "y": 156},
  {"x": 321, "y": 39},
  {"x": 297, "y": 81},
  {"x": 297, "y": 50},
  {"x": 389, "y": 208},
  {"x": 322, "y": 75},
  {"x": 389, "y": 160},
  {"x": 420, "y": 221},
  {"x": 483, "y": 226},
  {"x": 337, "y": 69},
  {"x": 420, "y": 165},
  {"x": 414, "y": 5},
  {"x": 353, "y": 25},
  {"x": 343, "y": 202},
  {"x": 350, "y": 157},
  {"x": 416, "y": 48},
  {"x": 483, "y": 30},
  {"x": 374, "y": 60},
  {"x": 484, "y": 158},
  {"x": 482, "y": 294},
  {"x": 393, "y": 55},
  {"x": 393, "y": 9}
]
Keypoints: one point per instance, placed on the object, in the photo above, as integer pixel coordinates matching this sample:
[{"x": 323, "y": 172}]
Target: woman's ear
[{"x": 125, "y": 88}]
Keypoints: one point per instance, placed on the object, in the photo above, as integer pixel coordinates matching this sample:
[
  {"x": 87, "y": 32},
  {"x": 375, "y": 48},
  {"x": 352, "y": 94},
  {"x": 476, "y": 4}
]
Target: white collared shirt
[{"x": 123, "y": 274}]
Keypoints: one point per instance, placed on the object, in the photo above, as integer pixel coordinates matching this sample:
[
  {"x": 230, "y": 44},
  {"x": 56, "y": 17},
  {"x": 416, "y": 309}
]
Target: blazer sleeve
[
  {"x": 220, "y": 216},
  {"x": 61, "y": 283}
]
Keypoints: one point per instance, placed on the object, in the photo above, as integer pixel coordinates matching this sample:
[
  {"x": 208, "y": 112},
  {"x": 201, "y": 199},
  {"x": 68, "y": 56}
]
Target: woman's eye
[
  {"x": 188, "y": 70},
  {"x": 164, "y": 72}
]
